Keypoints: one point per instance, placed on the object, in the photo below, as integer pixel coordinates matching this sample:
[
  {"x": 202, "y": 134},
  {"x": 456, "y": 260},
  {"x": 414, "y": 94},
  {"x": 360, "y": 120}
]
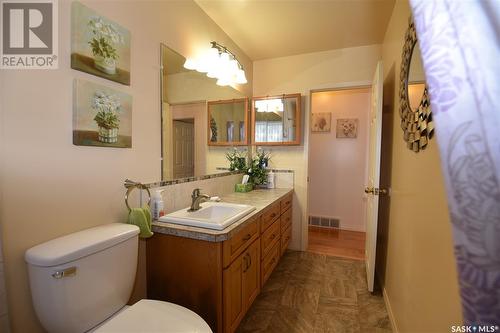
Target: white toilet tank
[{"x": 79, "y": 280}]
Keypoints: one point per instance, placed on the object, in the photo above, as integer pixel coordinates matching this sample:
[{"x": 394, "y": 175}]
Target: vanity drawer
[
  {"x": 269, "y": 216},
  {"x": 233, "y": 247},
  {"x": 286, "y": 220},
  {"x": 286, "y": 202},
  {"x": 285, "y": 239},
  {"x": 269, "y": 263},
  {"x": 269, "y": 238}
]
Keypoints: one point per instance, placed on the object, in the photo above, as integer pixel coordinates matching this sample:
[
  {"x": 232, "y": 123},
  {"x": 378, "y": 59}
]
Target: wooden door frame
[{"x": 304, "y": 241}]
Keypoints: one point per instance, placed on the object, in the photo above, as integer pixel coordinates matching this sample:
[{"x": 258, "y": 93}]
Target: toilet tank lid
[{"x": 79, "y": 244}]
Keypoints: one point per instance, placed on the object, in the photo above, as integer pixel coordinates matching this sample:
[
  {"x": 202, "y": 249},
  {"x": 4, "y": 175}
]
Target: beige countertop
[{"x": 260, "y": 199}]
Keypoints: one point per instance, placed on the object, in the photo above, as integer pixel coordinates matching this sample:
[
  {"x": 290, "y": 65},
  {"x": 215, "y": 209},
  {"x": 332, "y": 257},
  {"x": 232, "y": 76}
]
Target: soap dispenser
[{"x": 157, "y": 206}]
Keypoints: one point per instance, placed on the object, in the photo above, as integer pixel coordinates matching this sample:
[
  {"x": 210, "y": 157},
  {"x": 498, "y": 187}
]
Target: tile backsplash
[{"x": 178, "y": 196}]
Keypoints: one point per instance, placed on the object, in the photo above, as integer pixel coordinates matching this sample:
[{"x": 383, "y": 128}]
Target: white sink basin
[{"x": 211, "y": 215}]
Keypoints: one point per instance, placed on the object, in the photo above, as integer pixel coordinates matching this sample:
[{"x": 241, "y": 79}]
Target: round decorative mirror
[{"x": 415, "y": 108}]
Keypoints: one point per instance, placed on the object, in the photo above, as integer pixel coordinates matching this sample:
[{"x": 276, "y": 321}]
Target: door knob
[
  {"x": 376, "y": 191},
  {"x": 382, "y": 191}
]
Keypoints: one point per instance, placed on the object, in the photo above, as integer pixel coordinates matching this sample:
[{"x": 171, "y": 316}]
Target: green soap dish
[{"x": 243, "y": 187}]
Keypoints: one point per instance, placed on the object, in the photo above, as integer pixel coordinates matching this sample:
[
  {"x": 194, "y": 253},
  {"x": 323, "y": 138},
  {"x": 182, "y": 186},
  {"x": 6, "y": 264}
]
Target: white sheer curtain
[
  {"x": 459, "y": 40},
  {"x": 268, "y": 131}
]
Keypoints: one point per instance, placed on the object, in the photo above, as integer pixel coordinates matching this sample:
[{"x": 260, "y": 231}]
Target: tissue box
[{"x": 243, "y": 187}]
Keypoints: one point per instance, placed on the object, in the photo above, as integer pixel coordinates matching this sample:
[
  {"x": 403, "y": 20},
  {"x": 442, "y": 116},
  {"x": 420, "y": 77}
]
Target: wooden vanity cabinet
[
  {"x": 276, "y": 232},
  {"x": 241, "y": 282},
  {"x": 219, "y": 280},
  {"x": 286, "y": 222}
]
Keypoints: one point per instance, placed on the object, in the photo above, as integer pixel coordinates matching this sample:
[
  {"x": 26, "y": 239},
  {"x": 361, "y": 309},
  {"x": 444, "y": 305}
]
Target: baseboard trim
[
  {"x": 318, "y": 227},
  {"x": 392, "y": 319}
]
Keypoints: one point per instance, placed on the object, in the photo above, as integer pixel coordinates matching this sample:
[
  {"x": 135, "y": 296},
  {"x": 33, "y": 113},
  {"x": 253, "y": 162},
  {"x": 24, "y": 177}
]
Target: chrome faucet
[{"x": 196, "y": 199}]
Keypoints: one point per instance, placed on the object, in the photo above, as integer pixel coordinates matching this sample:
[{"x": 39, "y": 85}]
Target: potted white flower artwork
[
  {"x": 103, "y": 43},
  {"x": 107, "y": 107}
]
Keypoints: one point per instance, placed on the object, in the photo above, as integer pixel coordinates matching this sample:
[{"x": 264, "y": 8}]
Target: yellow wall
[
  {"x": 415, "y": 254},
  {"x": 50, "y": 187},
  {"x": 301, "y": 74}
]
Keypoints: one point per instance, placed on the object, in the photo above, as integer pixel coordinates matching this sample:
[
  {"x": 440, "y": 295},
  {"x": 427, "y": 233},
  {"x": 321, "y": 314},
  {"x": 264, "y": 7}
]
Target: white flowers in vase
[
  {"x": 103, "y": 43},
  {"x": 108, "y": 107}
]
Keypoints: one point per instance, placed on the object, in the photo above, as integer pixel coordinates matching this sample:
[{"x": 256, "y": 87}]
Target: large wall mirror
[
  {"x": 276, "y": 120},
  {"x": 185, "y": 95},
  {"x": 415, "y": 107}
]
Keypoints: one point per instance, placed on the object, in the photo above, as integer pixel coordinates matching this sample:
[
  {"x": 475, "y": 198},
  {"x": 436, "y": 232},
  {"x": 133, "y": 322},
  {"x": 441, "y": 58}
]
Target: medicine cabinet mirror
[
  {"x": 228, "y": 122},
  {"x": 276, "y": 120}
]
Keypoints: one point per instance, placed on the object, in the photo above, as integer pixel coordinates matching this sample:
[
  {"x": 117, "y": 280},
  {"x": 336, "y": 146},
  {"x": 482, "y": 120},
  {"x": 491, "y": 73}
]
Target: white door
[
  {"x": 183, "y": 152},
  {"x": 372, "y": 189}
]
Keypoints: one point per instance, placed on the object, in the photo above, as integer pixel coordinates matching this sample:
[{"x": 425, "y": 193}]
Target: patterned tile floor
[{"x": 311, "y": 292}]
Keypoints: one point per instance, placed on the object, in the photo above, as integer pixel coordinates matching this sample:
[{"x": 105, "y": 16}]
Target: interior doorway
[{"x": 338, "y": 159}]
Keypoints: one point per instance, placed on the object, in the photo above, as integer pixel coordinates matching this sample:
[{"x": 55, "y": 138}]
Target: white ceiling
[{"x": 272, "y": 28}]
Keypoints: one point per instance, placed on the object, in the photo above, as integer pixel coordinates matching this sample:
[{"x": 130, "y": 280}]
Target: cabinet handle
[
  {"x": 273, "y": 236},
  {"x": 247, "y": 259},
  {"x": 245, "y": 264},
  {"x": 273, "y": 215},
  {"x": 273, "y": 261},
  {"x": 247, "y": 237}
]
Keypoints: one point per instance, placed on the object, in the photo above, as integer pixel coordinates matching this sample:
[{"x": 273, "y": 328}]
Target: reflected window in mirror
[
  {"x": 184, "y": 98},
  {"x": 276, "y": 120}
]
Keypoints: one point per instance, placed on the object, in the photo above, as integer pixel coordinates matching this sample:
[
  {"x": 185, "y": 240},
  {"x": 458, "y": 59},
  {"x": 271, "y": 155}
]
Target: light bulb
[
  {"x": 261, "y": 105},
  {"x": 190, "y": 64},
  {"x": 240, "y": 77},
  {"x": 223, "y": 82},
  {"x": 214, "y": 66},
  {"x": 202, "y": 65}
]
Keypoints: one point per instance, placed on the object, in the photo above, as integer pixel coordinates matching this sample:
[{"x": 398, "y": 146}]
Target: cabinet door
[
  {"x": 276, "y": 120},
  {"x": 234, "y": 304},
  {"x": 251, "y": 274}
]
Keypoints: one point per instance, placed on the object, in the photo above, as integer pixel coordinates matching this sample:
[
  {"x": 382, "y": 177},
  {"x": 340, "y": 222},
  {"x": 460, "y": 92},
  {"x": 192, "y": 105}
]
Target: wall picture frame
[
  {"x": 102, "y": 116},
  {"x": 99, "y": 46},
  {"x": 321, "y": 122},
  {"x": 347, "y": 128}
]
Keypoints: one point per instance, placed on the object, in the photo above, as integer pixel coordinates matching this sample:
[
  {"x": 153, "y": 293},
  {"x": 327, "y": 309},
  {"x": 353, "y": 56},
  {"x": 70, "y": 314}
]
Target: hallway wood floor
[
  {"x": 315, "y": 293},
  {"x": 337, "y": 242}
]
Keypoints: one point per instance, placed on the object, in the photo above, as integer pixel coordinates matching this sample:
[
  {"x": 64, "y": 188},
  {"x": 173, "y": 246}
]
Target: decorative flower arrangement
[
  {"x": 103, "y": 44},
  {"x": 258, "y": 168},
  {"x": 107, "y": 107},
  {"x": 237, "y": 159}
]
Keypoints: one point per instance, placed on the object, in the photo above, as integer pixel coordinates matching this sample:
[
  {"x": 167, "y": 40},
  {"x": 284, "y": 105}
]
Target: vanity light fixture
[
  {"x": 269, "y": 105},
  {"x": 219, "y": 63}
]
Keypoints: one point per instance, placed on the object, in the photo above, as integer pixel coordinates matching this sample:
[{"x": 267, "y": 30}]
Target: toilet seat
[{"x": 149, "y": 316}]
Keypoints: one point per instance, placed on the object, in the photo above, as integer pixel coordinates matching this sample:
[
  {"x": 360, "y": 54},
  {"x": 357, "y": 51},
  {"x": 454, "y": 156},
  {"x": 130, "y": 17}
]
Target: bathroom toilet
[{"x": 82, "y": 282}]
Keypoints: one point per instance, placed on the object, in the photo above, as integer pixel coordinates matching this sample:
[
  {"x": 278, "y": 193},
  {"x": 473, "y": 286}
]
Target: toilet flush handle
[{"x": 71, "y": 271}]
